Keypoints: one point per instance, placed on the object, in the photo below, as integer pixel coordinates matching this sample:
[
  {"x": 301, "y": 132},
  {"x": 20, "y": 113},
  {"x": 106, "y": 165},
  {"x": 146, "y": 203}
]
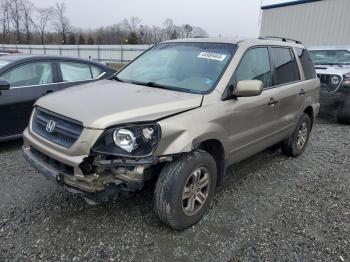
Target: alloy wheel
[
  {"x": 196, "y": 191},
  {"x": 302, "y": 135}
]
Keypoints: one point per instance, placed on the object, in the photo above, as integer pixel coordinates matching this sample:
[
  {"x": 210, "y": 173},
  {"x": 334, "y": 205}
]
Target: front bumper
[
  {"x": 43, "y": 168},
  {"x": 66, "y": 170},
  {"x": 330, "y": 99}
]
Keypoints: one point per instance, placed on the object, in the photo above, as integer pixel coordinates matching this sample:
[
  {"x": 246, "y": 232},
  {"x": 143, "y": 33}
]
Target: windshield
[
  {"x": 325, "y": 57},
  {"x": 188, "y": 67}
]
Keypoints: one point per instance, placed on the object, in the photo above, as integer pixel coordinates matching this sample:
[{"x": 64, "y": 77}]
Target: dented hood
[{"x": 105, "y": 103}]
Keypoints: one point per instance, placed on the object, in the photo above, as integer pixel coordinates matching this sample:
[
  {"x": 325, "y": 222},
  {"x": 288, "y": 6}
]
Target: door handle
[
  {"x": 272, "y": 101},
  {"x": 302, "y": 92}
]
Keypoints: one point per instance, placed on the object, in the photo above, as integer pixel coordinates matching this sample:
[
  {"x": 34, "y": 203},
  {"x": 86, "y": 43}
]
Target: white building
[{"x": 313, "y": 22}]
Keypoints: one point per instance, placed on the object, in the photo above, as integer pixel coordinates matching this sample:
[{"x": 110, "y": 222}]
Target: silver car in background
[{"x": 333, "y": 69}]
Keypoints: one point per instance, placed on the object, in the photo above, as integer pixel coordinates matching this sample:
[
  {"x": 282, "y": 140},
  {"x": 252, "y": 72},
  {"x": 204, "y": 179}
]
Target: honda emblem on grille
[{"x": 50, "y": 126}]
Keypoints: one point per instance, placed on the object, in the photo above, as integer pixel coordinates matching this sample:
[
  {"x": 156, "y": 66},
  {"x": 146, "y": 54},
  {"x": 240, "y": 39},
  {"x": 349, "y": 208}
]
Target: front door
[{"x": 254, "y": 119}]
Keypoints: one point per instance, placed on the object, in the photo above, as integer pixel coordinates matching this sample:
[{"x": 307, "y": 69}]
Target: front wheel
[
  {"x": 296, "y": 143},
  {"x": 185, "y": 189}
]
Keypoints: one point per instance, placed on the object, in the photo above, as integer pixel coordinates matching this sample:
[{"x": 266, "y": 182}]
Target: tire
[
  {"x": 343, "y": 114},
  {"x": 295, "y": 145},
  {"x": 177, "y": 177}
]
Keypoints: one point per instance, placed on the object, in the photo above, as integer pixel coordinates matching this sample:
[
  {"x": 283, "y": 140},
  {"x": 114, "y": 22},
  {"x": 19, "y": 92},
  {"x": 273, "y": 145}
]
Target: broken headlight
[{"x": 129, "y": 141}]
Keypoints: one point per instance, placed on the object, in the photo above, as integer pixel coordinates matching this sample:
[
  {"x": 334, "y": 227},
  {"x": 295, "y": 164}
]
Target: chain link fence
[{"x": 100, "y": 53}]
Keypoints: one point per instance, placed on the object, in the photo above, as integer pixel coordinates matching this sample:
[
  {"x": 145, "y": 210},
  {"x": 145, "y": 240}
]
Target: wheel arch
[
  {"x": 216, "y": 149},
  {"x": 310, "y": 112}
]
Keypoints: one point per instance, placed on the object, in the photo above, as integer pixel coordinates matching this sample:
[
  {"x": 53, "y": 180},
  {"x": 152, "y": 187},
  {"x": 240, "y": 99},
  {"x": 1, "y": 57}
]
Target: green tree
[{"x": 133, "y": 39}]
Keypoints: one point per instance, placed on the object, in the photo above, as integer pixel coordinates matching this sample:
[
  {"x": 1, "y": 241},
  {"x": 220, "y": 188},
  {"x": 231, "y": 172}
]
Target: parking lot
[{"x": 271, "y": 208}]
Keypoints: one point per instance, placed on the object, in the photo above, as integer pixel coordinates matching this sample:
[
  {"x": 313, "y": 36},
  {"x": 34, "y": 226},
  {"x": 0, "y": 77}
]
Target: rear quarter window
[
  {"x": 306, "y": 62},
  {"x": 286, "y": 68}
]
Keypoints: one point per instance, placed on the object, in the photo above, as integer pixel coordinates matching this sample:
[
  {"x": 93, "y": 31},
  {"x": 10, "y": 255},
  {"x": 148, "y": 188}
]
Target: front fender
[{"x": 181, "y": 138}]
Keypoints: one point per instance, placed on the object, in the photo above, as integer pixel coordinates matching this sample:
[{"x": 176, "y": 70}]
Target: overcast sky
[{"x": 218, "y": 17}]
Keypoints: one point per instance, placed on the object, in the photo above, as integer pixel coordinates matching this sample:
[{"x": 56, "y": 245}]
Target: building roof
[{"x": 299, "y": 2}]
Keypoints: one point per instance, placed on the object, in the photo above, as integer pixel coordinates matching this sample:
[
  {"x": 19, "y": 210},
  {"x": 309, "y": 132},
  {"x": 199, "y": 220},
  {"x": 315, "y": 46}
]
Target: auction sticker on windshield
[{"x": 212, "y": 56}]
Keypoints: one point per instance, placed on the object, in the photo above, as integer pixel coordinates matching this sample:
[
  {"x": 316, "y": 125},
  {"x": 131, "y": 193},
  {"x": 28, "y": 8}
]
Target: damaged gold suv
[{"x": 179, "y": 114}]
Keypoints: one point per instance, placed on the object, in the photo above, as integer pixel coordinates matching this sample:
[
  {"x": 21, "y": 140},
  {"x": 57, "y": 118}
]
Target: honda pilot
[{"x": 178, "y": 116}]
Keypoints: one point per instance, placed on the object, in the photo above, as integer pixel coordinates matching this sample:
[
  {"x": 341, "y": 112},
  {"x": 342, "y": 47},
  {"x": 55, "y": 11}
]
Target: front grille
[
  {"x": 326, "y": 82},
  {"x": 65, "y": 132},
  {"x": 60, "y": 167}
]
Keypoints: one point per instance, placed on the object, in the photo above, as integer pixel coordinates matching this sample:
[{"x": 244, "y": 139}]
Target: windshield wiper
[{"x": 153, "y": 84}]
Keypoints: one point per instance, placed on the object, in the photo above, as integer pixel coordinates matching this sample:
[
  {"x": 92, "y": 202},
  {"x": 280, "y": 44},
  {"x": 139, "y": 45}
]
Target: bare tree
[
  {"x": 134, "y": 23},
  {"x": 42, "y": 18},
  {"x": 199, "y": 32},
  {"x": 125, "y": 26},
  {"x": 168, "y": 28},
  {"x": 28, "y": 8},
  {"x": 5, "y": 19},
  {"x": 188, "y": 30},
  {"x": 61, "y": 22},
  {"x": 16, "y": 15}
]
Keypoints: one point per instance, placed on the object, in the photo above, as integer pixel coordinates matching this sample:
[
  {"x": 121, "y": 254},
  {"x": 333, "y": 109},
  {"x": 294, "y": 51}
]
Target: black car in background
[{"x": 25, "y": 78}]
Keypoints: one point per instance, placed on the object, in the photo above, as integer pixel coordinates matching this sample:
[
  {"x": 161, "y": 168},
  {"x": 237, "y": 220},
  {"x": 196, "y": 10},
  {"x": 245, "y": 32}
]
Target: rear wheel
[
  {"x": 296, "y": 143},
  {"x": 185, "y": 189}
]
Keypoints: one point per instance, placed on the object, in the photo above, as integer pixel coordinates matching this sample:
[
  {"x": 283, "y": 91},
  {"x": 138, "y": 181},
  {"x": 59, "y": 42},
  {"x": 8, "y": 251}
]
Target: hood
[
  {"x": 107, "y": 102},
  {"x": 332, "y": 69}
]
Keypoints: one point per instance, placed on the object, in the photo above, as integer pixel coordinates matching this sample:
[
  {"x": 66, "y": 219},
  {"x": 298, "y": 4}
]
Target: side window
[
  {"x": 286, "y": 68},
  {"x": 255, "y": 65},
  {"x": 96, "y": 71},
  {"x": 37, "y": 73},
  {"x": 73, "y": 71},
  {"x": 306, "y": 62}
]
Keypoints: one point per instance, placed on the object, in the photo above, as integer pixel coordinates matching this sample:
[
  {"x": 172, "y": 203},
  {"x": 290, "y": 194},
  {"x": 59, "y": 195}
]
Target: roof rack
[{"x": 283, "y": 39}]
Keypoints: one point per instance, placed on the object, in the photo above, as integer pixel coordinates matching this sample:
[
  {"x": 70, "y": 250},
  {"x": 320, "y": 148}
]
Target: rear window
[
  {"x": 286, "y": 68},
  {"x": 73, "y": 71},
  {"x": 306, "y": 62}
]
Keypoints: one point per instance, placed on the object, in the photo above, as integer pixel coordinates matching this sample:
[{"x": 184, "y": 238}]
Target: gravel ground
[{"x": 271, "y": 208}]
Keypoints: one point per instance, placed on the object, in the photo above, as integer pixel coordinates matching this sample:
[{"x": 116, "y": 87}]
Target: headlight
[
  {"x": 125, "y": 139},
  {"x": 335, "y": 80},
  {"x": 129, "y": 140}
]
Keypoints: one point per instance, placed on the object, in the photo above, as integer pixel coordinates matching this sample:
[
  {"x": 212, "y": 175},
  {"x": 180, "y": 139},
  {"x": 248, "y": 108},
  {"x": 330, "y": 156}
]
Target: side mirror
[
  {"x": 4, "y": 85},
  {"x": 246, "y": 88}
]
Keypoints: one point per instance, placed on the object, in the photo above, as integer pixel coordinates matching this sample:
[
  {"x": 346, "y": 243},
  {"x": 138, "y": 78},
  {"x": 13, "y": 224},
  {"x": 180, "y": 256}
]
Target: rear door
[
  {"x": 254, "y": 119},
  {"x": 73, "y": 73},
  {"x": 291, "y": 89},
  {"x": 28, "y": 82}
]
